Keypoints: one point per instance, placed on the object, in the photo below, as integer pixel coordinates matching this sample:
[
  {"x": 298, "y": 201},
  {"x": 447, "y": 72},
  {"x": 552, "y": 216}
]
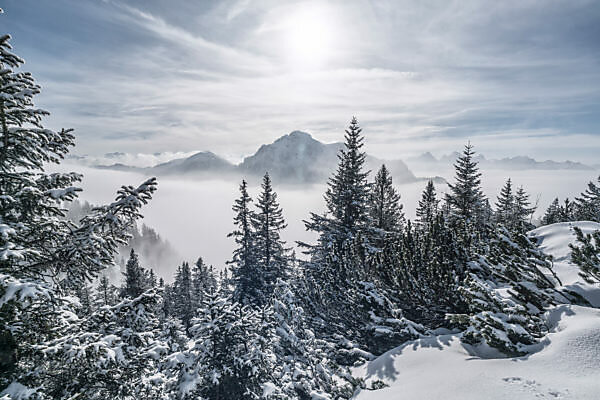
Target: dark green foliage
[
  {"x": 385, "y": 210},
  {"x": 425, "y": 268},
  {"x": 428, "y": 205},
  {"x": 469, "y": 210},
  {"x": 588, "y": 204},
  {"x": 246, "y": 277},
  {"x": 507, "y": 292},
  {"x": 271, "y": 254},
  {"x": 586, "y": 254},
  {"x": 346, "y": 199}
]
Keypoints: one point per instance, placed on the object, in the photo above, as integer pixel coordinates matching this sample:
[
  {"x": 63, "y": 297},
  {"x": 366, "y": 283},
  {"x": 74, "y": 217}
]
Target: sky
[{"x": 146, "y": 76}]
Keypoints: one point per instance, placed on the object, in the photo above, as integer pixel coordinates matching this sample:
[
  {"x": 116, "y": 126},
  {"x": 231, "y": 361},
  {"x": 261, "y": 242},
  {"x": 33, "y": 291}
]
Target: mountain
[
  {"x": 202, "y": 162},
  {"x": 296, "y": 157},
  {"x": 293, "y": 158},
  {"x": 507, "y": 163}
]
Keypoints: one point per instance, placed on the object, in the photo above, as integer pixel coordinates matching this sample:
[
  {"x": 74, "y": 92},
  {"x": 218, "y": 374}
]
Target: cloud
[{"x": 211, "y": 77}]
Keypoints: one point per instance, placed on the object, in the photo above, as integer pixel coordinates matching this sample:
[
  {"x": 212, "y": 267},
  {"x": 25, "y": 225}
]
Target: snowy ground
[{"x": 566, "y": 367}]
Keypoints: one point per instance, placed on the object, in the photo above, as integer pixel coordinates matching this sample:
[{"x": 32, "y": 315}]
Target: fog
[{"x": 195, "y": 216}]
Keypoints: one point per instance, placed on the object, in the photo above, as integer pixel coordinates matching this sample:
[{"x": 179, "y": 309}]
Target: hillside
[{"x": 567, "y": 365}]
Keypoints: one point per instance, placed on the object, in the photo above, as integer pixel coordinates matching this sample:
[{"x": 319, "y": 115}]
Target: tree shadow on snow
[{"x": 383, "y": 367}]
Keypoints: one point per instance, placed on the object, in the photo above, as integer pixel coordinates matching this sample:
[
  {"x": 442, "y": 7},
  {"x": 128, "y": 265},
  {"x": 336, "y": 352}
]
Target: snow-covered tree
[
  {"x": 106, "y": 293},
  {"x": 44, "y": 257},
  {"x": 346, "y": 199},
  {"x": 303, "y": 369},
  {"x": 272, "y": 256},
  {"x": 505, "y": 205},
  {"x": 523, "y": 210},
  {"x": 513, "y": 209},
  {"x": 109, "y": 354},
  {"x": 135, "y": 277},
  {"x": 468, "y": 206},
  {"x": 385, "y": 209},
  {"x": 246, "y": 277},
  {"x": 553, "y": 213},
  {"x": 586, "y": 254},
  {"x": 509, "y": 287},
  {"x": 184, "y": 306},
  {"x": 204, "y": 280},
  {"x": 424, "y": 270},
  {"x": 228, "y": 359},
  {"x": 428, "y": 205},
  {"x": 588, "y": 204}
]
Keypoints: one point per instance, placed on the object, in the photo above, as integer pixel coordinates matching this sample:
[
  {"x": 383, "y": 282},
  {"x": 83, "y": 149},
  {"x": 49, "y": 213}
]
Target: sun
[{"x": 308, "y": 37}]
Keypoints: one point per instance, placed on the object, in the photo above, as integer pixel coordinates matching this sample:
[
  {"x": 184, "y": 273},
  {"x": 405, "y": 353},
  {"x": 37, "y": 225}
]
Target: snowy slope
[
  {"x": 567, "y": 366},
  {"x": 554, "y": 240}
]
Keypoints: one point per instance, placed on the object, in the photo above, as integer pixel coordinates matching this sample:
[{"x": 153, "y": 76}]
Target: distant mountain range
[
  {"x": 299, "y": 158},
  {"x": 293, "y": 158},
  {"x": 508, "y": 163}
]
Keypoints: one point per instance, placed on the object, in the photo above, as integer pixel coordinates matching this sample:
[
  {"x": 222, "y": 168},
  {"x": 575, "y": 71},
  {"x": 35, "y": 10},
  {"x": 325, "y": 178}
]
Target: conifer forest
[{"x": 474, "y": 295}]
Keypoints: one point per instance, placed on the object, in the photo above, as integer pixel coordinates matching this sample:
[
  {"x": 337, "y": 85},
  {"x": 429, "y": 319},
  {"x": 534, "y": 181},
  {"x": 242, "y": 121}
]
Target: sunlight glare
[{"x": 309, "y": 38}]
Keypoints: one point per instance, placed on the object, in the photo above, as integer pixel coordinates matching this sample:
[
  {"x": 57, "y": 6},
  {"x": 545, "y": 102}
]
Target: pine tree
[
  {"x": 303, "y": 368},
  {"x": 567, "y": 211},
  {"x": 135, "y": 277},
  {"x": 106, "y": 293},
  {"x": 384, "y": 206},
  {"x": 588, "y": 204},
  {"x": 428, "y": 205},
  {"x": 510, "y": 285},
  {"x": 586, "y": 254},
  {"x": 183, "y": 301},
  {"x": 44, "y": 257},
  {"x": 552, "y": 214},
  {"x": 203, "y": 280},
  {"x": 505, "y": 205},
  {"x": 270, "y": 251},
  {"x": 151, "y": 280},
  {"x": 108, "y": 354},
  {"x": 346, "y": 199},
  {"x": 469, "y": 210},
  {"x": 229, "y": 358},
  {"x": 523, "y": 210},
  {"x": 247, "y": 278},
  {"x": 424, "y": 270}
]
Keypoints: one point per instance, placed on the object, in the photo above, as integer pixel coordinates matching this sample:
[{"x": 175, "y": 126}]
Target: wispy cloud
[{"x": 513, "y": 77}]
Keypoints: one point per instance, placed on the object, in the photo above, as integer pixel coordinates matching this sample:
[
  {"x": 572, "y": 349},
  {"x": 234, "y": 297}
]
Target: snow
[
  {"x": 554, "y": 240},
  {"x": 441, "y": 367},
  {"x": 566, "y": 364}
]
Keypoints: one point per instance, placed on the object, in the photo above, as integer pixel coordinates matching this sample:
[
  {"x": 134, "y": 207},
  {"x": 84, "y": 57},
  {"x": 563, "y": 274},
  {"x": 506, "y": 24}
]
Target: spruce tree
[
  {"x": 588, "y": 204},
  {"x": 346, "y": 199},
  {"x": 247, "y": 278},
  {"x": 385, "y": 209},
  {"x": 44, "y": 257},
  {"x": 552, "y": 214},
  {"x": 505, "y": 205},
  {"x": 523, "y": 210},
  {"x": 183, "y": 302},
  {"x": 509, "y": 287},
  {"x": 135, "y": 277},
  {"x": 203, "y": 280},
  {"x": 229, "y": 358},
  {"x": 586, "y": 254},
  {"x": 428, "y": 205},
  {"x": 270, "y": 251},
  {"x": 567, "y": 211},
  {"x": 469, "y": 210},
  {"x": 106, "y": 293}
]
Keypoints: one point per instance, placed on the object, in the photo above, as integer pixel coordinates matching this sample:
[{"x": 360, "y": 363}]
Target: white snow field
[{"x": 567, "y": 366}]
